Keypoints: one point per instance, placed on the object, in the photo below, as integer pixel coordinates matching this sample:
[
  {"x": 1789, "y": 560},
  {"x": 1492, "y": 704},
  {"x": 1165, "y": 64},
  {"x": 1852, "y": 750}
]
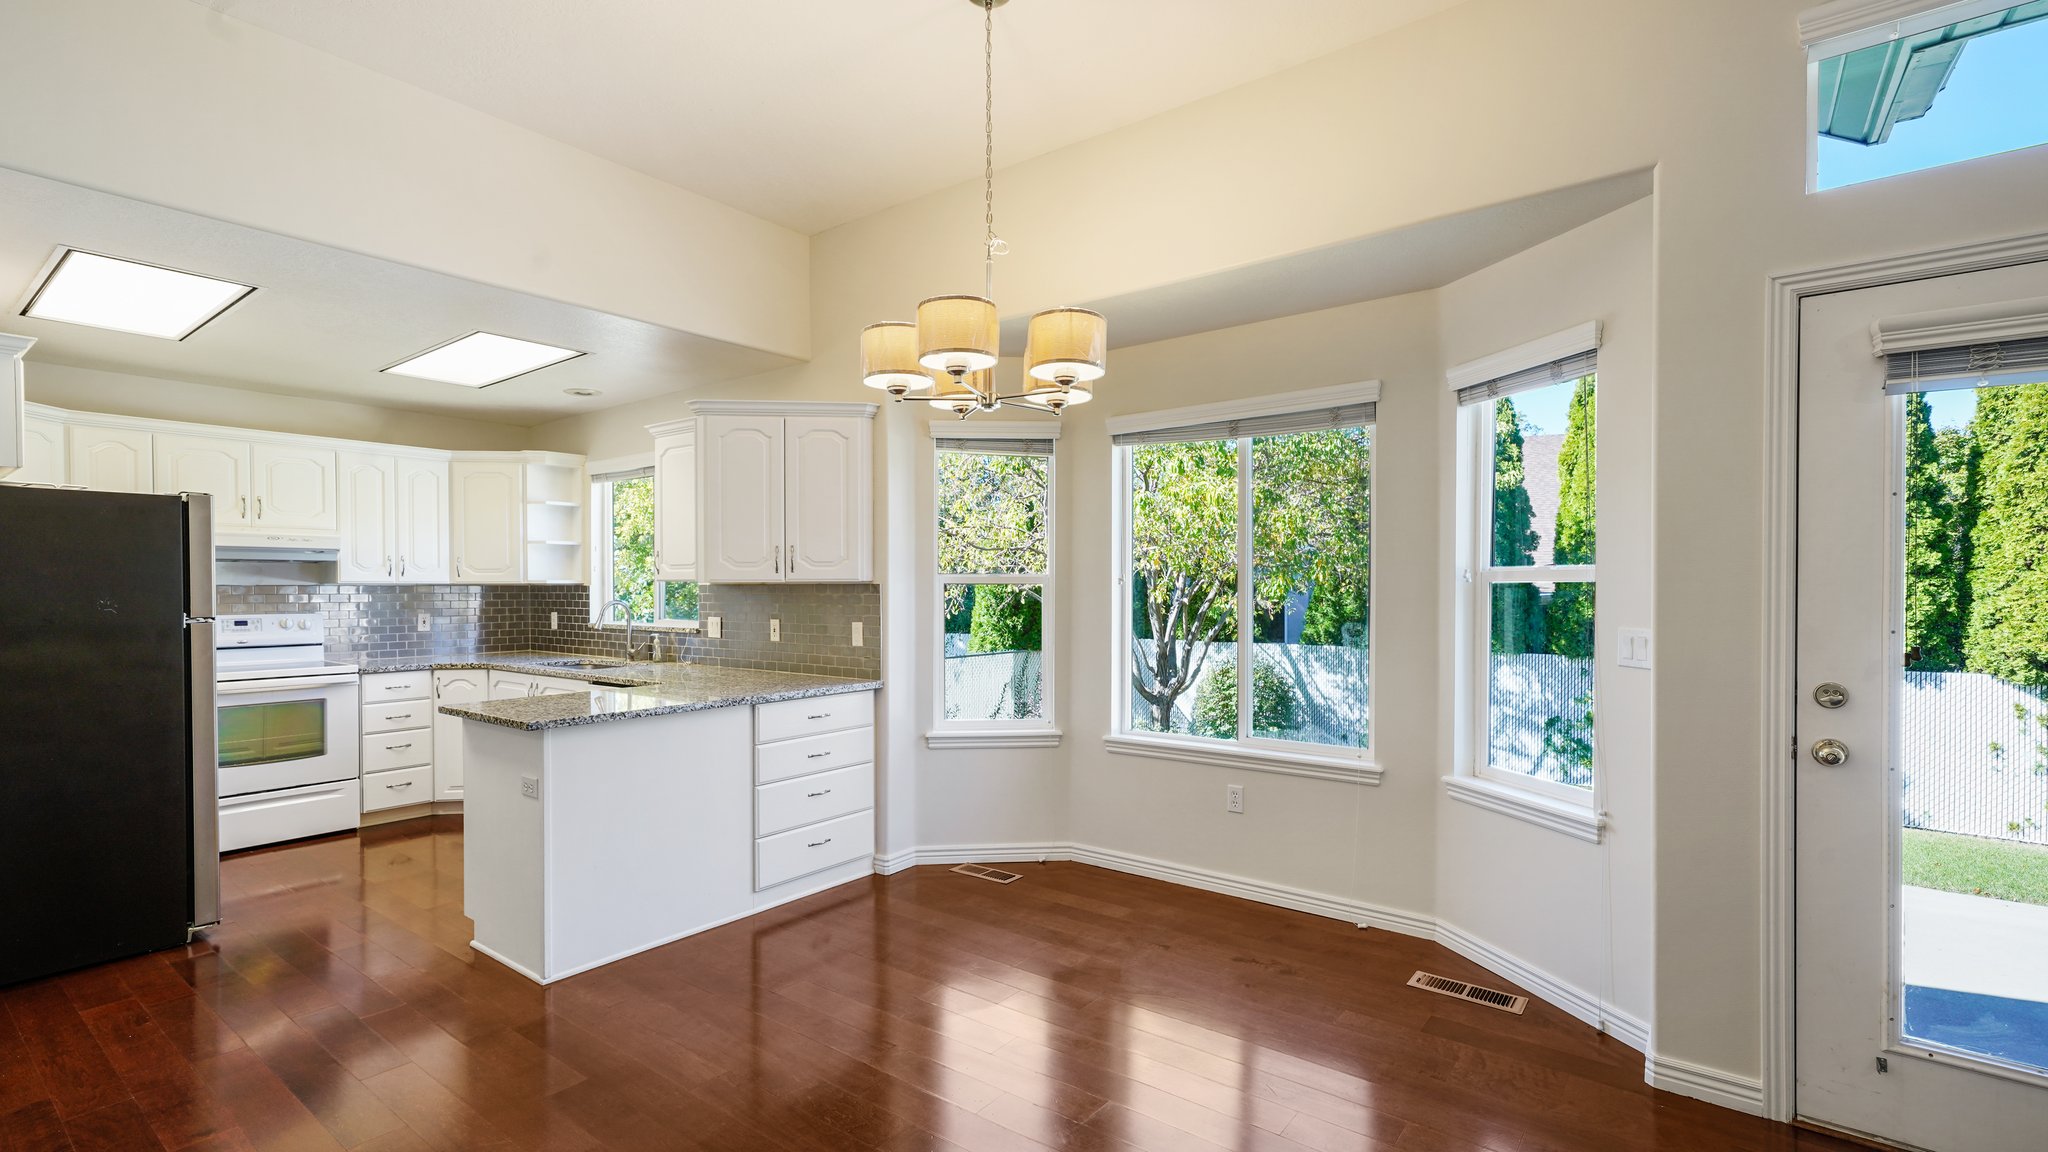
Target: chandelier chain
[{"x": 988, "y": 145}]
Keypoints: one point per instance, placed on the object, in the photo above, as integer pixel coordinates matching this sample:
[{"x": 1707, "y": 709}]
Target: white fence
[
  {"x": 994, "y": 685},
  {"x": 1973, "y": 752}
]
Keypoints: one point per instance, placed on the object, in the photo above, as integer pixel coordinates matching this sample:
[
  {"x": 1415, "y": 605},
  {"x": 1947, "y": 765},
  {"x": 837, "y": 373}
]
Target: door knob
[{"x": 1830, "y": 752}]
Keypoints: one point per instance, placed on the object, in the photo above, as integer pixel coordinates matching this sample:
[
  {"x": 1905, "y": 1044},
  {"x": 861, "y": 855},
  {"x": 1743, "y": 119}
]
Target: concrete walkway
[{"x": 1975, "y": 944}]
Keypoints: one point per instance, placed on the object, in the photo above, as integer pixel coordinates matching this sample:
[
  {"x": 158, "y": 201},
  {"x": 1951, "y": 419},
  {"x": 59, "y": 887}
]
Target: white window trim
[
  {"x": 1576, "y": 812},
  {"x": 947, "y": 734},
  {"x": 599, "y": 520},
  {"x": 1283, "y": 757}
]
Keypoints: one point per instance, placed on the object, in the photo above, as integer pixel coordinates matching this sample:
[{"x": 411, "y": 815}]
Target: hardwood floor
[{"x": 339, "y": 1007}]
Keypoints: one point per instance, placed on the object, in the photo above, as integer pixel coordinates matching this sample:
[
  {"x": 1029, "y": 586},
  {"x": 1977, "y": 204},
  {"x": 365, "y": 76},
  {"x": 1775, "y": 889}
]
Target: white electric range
[{"x": 288, "y": 722}]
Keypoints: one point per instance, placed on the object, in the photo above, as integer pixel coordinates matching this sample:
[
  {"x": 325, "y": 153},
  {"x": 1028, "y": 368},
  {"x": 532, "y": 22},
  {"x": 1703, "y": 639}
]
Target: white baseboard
[
  {"x": 1629, "y": 1030},
  {"x": 1507, "y": 966},
  {"x": 1742, "y": 1093},
  {"x": 1280, "y": 895}
]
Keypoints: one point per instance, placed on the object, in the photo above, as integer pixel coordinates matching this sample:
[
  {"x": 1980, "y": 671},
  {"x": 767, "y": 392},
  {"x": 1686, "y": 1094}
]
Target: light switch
[
  {"x": 774, "y": 630},
  {"x": 858, "y": 637},
  {"x": 1633, "y": 647},
  {"x": 714, "y": 627}
]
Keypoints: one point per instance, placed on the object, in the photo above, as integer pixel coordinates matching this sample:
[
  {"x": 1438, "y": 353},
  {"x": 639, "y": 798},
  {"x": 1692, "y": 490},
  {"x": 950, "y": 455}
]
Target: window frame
[
  {"x": 1042, "y": 732},
  {"x": 602, "y": 475},
  {"x": 1247, "y": 751}
]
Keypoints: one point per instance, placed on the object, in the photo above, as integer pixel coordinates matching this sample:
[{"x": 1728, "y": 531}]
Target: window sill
[
  {"x": 1347, "y": 769},
  {"x": 1578, "y": 821},
  {"x": 993, "y": 738}
]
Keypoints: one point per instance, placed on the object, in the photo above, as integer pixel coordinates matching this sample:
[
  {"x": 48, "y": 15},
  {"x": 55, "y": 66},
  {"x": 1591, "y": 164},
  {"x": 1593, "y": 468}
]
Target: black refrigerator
[{"x": 109, "y": 813}]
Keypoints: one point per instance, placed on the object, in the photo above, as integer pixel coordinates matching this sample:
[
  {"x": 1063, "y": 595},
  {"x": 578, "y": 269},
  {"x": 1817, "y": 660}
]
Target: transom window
[
  {"x": 622, "y": 546},
  {"x": 1246, "y": 543},
  {"x": 993, "y": 541}
]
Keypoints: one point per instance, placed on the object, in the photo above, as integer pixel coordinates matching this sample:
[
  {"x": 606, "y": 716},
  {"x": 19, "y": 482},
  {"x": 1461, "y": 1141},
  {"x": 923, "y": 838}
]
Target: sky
[{"x": 1996, "y": 100}]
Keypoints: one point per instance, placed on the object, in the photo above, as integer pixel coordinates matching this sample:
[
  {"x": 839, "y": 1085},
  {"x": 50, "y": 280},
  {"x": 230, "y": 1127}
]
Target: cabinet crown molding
[
  {"x": 15, "y": 346},
  {"x": 782, "y": 408}
]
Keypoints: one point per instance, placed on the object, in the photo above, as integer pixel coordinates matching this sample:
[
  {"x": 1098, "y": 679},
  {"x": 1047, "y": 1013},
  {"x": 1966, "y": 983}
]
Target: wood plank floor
[{"x": 339, "y": 1007}]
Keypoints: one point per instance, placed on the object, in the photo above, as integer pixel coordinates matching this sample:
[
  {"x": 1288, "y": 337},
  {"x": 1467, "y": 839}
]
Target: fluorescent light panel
[
  {"x": 124, "y": 296},
  {"x": 481, "y": 359}
]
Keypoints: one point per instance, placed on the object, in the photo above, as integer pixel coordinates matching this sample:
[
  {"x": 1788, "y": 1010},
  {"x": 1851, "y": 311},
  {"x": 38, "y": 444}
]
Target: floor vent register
[
  {"x": 985, "y": 873},
  {"x": 1458, "y": 989}
]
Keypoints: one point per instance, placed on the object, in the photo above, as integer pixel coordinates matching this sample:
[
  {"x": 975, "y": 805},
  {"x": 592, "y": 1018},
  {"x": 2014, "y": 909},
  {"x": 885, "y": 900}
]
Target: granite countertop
[{"x": 626, "y": 691}]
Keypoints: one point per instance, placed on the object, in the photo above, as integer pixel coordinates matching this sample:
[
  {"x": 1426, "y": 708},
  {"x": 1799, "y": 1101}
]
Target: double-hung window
[
  {"x": 1529, "y": 569},
  {"x": 622, "y": 553},
  {"x": 1244, "y": 542},
  {"x": 993, "y": 540}
]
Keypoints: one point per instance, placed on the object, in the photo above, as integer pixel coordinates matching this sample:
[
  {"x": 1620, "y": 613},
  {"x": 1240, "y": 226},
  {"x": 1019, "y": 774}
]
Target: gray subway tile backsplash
[{"x": 381, "y": 622}]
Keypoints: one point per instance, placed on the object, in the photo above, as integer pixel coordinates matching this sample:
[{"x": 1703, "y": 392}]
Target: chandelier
[{"x": 948, "y": 356}]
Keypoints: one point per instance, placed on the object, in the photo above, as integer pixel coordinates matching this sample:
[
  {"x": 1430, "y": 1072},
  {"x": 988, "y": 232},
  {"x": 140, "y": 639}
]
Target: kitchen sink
[{"x": 578, "y": 663}]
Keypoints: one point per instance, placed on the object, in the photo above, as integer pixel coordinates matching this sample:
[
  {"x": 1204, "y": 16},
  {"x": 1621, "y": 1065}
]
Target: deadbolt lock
[
  {"x": 1830, "y": 752},
  {"x": 1831, "y": 695}
]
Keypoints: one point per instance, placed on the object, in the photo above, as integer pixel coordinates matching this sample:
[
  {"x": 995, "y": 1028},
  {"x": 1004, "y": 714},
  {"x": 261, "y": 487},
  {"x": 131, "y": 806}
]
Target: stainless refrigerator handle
[
  {"x": 199, "y": 601},
  {"x": 205, "y": 779}
]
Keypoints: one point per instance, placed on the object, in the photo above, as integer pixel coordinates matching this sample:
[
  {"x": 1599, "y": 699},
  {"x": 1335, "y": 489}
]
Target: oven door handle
[{"x": 285, "y": 684}]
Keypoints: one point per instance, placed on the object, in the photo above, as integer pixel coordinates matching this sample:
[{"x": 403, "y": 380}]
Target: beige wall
[{"x": 93, "y": 390}]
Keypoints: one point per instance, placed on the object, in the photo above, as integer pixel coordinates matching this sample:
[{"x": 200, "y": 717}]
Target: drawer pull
[
  {"x": 400, "y": 716},
  {"x": 820, "y": 716},
  {"x": 815, "y": 795},
  {"x": 401, "y": 784},
  {"x": 396, "y": 687},
  {"x": 819, "y": 843},
  {"x": 817, "y": 755},
  {"x": 397, "y": 747}
]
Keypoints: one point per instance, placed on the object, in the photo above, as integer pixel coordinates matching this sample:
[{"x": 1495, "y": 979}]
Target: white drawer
[
  {"x": 394, "y": 789},
  {"x": 789, "y": 719},
  {"x": 809, "y": 799},
  {"x": 788, "y": 855},
  {"x": 382, "y": 717},
  {"x": 287, "y": 814},
  {"x": 385, "y": 686},
  {"x": 384, "y": 751},
  {"x": 786, "y": 758}
]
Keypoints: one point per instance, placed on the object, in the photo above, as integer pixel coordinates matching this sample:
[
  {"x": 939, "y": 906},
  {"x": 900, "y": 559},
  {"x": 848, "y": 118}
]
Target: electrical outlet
[
  {"x": 1233, "y": 798},
  {"x": 529, "y": 787},
  {"x": 857, "y": 637},
  {"x": 714, "y": 627},
  {"x": 774, "y": 630},
  {"x": 554, "y": 621},
  {"x": 426, "y": 622}
]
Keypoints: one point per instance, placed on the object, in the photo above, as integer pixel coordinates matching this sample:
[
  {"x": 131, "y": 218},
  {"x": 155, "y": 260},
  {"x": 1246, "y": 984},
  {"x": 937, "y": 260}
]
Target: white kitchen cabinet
[
  {"x": 214, "y": 465},
  {"x": 422, "y": 520},
  {"x": 366, "y": 488},
  {"x": 109, "y": 459},
  {"x": 487, "y": 513},
  {"x": 828, "y": 498},
  {"x": 454, "y": 686},
  {"x": 13, "y": 411},
  {"x": 742, "y": 498},
  {"x": 513, "y": 685},
  {"x": 42, "y": 453},
  {"x": 676, "y": 536},
  {"x": 292, "y": 486},
  {"x": 814, "y": 777},
  {"x": 397, "y": 740}
]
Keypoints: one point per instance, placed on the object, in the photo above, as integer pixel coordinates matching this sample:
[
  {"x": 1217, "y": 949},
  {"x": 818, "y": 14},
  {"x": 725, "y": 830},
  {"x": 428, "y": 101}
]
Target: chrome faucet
[{"x": 626, "y": 613}]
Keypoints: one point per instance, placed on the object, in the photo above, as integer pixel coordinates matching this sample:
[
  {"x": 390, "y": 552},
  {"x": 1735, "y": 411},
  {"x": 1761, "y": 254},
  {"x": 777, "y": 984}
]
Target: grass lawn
[{"x": 2000, "y": 869}]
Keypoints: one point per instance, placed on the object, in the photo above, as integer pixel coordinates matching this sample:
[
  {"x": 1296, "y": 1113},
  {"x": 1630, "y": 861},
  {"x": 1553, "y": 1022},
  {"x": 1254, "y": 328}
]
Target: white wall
[
  {"x": 94, "y": 390},
  {"x": 1581, "y": 912},
  {"x": 175, "y": 104}
]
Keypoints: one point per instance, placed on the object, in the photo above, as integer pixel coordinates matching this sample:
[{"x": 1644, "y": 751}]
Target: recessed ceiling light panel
[
  {"x": 481, "y": 359},
  {"x": 124, "y": 296}
]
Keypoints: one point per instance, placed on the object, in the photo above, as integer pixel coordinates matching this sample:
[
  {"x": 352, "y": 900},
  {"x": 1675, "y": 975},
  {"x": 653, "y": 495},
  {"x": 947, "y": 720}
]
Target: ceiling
[
  {"x": 812, "y": 113},
  {"x": 323, "y": 322}
]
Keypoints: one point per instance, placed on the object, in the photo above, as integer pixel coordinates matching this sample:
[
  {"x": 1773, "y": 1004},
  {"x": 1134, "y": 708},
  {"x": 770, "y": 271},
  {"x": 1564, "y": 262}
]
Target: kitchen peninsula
[{"x": 665, "y": 800}]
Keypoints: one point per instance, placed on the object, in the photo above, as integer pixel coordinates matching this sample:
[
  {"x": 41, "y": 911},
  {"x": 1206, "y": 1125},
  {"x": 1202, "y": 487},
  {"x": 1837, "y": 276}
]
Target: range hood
[{"x": 305, "y": 549}]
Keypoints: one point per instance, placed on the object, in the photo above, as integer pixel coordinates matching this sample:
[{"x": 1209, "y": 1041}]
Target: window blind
[
  {"x": 2023, "y": 361},
  {"x": 995, "y": 446},
  {"x": 1541, "y": 376},
  {"x": 628, "y": 474},
  {"x": 1278, "y": 424}
]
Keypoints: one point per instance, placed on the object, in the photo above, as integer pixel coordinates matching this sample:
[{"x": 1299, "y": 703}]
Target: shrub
[{"x": 1274, "y": 705}]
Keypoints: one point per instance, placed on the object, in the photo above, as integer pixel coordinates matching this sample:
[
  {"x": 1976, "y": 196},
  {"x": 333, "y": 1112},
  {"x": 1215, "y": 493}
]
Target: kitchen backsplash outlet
[{"x": 371, "y": 623}]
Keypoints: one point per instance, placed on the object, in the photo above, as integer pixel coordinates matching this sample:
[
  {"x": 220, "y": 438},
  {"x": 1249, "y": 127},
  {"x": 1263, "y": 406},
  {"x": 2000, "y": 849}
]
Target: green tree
[
  {"x": 1937, "y": 590},
  {"x": 2008, "y": 621},
  {"x": 1517, "y": 608},
  {"x": 1568, "y": 618},
  {"x": 1275, "y": 708},
  {"x": 992, "y": 517},
  {"x": 1311, "y": 531},
  {"x": 1005, "y": 618},
  {"x": 633, "y": 545}
]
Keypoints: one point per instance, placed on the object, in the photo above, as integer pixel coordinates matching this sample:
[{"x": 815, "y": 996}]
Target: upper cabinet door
[
  {"x": 422, "y": 521},
  {"x": 366, "y": 489},
  {"x": 830, "y": 492},
  {"x": 42, "y": 455},
  {"x": 110, "y": 459},
  {"x": 487, "y": 511},
  {"x": 675, "y": 506},
  {"x": 294, "y": 488},
  {"x": 742, "y": 499},
  {"x": 214, "y": 465}
]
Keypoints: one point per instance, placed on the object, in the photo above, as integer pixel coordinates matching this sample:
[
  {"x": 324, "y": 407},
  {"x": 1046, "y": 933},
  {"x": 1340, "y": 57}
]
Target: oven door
[{"x": 284, "y": 733}]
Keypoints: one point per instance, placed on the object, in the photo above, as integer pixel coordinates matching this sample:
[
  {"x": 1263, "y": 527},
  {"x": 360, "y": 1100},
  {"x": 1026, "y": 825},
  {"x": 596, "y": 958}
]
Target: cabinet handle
[
  {"x": 401, "y": 565},
  {"x": 815, "y": 795},
  {"x": 817, "y": 755},
  {"x": 820, "y": 716},
  {"x": 244, "y": 513},
  {"x": 396, "y": 687},
  {"x": 387, "y": 566},
  {"x": 259, "y": 507},
  {"x": 403, "y": 784},
  {"x": 819, "y": 843},
  {"x": 458, "y": 565},
  {"x": 778, "y": 557},
  {"x": 398, "y": 747}
]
